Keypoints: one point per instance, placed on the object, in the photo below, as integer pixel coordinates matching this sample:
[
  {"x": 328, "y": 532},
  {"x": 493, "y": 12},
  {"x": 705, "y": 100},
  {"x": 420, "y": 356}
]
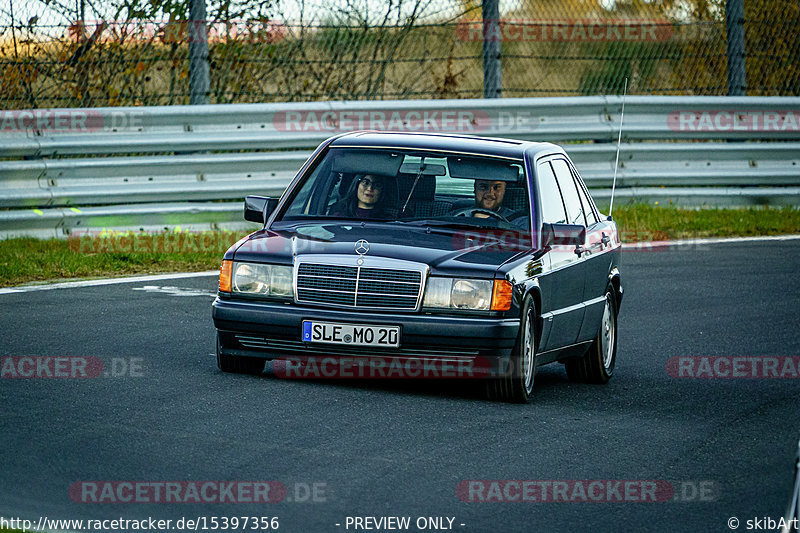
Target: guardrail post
[
  {"x": 198, "y": 53},
  {"x": 492, "y": 66},
  {"x": 734, "y": 23}
]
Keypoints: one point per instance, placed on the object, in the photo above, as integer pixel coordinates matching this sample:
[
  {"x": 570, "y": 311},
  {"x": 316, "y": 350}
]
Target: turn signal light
[
  {"x": 501, "y": 295},
  {"x": 225, "y": 274}
]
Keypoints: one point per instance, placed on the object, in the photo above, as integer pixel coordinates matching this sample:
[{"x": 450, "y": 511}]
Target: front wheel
[
  {"x": 597, "y": 365},
  {"x": 238, "y": 365},
  {"x": 517, "y": 383}
]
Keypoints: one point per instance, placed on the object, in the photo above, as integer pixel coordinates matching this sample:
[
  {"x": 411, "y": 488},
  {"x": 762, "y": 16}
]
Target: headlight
[
  {"x": 480, "y": 295},
  {"x": 280, "y": 281},
  {"x": 471, "y": 294},
  {"x": 251, "y": 278},
  {"x": 437, "y": 293},
  {"x": 265, "y": 280}
]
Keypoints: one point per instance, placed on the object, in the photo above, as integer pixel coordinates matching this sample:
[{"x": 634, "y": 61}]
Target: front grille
[
  {"x": 329, "y": 270},
  {"x": 330, "y": 284},
  {"x": 392, "y": 302},
  {"x": 360, "y": 287},
  {"x": 382, "y": 274},
  {"x": 377, "y": 287},
  {"x": 328, "y": 297}
]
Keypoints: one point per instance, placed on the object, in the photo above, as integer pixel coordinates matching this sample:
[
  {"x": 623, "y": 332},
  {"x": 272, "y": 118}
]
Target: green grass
[
  {"x": 652, "y": 223},
  {"x": 27, "y": 260},
  {"x": 32, "y": 260}
]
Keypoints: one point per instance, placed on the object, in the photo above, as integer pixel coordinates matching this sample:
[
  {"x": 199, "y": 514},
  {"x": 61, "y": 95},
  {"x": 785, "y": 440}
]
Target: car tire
[
  {"x": 516, "y": 385},
  {"x": 238, "y": 365},
  {"x": 597, "y": 364}
]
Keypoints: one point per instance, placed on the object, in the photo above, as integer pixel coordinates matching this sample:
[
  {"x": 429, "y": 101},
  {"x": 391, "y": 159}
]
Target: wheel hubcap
[
  {"x": 607, "y": 339},
  {"x": 527, "y": 361}
]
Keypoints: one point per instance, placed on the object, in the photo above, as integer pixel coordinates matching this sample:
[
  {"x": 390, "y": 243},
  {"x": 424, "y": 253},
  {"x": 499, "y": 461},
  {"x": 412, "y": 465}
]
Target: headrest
[{"x": 515, "y": 197}]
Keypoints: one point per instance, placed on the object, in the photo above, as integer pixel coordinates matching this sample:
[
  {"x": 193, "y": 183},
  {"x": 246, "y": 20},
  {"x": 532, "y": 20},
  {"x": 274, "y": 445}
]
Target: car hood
[{"x": 445, "y": 250}]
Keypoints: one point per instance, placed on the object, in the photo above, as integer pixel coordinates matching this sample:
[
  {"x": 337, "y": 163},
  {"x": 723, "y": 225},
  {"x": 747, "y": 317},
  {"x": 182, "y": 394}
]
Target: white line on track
[
  {"x": 710, "y": 240},
  {"x": 108, "y": 281},
  {"x": 208, "y": 273}
]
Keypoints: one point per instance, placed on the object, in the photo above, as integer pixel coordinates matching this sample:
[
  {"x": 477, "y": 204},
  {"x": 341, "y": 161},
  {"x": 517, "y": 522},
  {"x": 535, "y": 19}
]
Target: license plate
[{"x": 351, "y": 334}]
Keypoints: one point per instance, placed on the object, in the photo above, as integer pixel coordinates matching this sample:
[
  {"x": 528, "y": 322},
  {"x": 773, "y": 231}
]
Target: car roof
[{"x": 490, "y": 146}]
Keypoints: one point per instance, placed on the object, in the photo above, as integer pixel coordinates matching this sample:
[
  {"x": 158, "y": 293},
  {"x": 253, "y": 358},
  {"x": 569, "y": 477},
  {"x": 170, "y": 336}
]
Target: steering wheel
[{"x": 472, "y": 211}]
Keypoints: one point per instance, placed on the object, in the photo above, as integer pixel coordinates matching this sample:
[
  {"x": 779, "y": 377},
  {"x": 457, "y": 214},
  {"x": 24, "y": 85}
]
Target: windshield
[{"x": 413, "y": 187}]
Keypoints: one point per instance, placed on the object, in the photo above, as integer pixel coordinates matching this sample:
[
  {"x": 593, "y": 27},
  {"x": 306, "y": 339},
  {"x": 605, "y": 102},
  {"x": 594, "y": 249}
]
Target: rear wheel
[
  {"x": 238, "y": 365},
  {"x": 597, "y": 365},
  {"x": 517, "y": 383}
]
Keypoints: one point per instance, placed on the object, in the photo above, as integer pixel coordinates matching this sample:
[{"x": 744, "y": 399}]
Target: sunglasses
[{"x": 367, "y": 183}]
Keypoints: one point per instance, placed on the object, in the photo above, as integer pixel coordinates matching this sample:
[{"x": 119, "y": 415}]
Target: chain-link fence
[{"x": 69, "y": 53}]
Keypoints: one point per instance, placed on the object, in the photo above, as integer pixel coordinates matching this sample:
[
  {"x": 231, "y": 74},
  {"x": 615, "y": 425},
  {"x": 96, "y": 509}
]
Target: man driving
[{"x": 489, "y": 195}]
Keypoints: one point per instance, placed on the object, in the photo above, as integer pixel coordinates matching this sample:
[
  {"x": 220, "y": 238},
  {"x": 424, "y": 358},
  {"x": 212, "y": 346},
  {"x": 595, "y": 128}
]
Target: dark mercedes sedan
[{"x": 483, "y": 256}]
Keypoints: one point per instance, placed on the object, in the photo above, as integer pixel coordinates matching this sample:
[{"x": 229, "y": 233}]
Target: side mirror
[
  {"x": 259, "y": 208},
  {"x": 548, "y": 236},
  {"x": 563, "y": 235}
]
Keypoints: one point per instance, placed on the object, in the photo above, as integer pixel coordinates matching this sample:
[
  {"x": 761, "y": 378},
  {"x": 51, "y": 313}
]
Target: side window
[
  {"x": 301, "y": 201},
  {"x": 591, "y": 217},
  {"x": 571, "y": 199},
  {"x": 312, "y": 198},
  {"x": 552, "y": 205}
]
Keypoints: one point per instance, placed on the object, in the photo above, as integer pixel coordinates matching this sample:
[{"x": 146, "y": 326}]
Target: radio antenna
[{"x": 619, "y": 141}]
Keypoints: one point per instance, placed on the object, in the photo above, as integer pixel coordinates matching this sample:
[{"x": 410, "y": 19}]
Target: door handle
[{"x": 605, "y": 240}]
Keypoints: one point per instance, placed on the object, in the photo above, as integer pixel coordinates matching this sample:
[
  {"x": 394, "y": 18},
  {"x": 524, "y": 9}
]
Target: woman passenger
[{"x": 365, "y": 199}]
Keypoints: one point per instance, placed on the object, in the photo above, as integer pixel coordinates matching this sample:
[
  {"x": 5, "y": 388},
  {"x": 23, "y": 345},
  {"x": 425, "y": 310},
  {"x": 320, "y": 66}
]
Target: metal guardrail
[{"x": 68, "y": 170}]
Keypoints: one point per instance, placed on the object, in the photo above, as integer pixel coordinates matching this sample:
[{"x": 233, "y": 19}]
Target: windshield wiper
[
  {"x": 440, "y": 224},
  {"x": 414, "y": 185}
]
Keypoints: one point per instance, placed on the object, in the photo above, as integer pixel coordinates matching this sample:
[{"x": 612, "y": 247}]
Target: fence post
[
  {"x": 198, "y": 53},
  {"x": 492, "y": 66},
  {"x": 734, "y": 23}
]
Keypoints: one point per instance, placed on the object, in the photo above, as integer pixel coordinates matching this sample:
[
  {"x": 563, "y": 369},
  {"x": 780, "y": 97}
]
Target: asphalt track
[{"x": 401, "y": 448}]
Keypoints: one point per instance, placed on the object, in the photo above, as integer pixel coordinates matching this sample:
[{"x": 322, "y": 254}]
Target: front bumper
[{"x": 272, "y": 330}]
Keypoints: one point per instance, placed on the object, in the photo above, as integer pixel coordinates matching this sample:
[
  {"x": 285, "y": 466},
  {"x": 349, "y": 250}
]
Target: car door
[
  {"x": 562, "y": 284},
  {"x": 599, "y": 238}
]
